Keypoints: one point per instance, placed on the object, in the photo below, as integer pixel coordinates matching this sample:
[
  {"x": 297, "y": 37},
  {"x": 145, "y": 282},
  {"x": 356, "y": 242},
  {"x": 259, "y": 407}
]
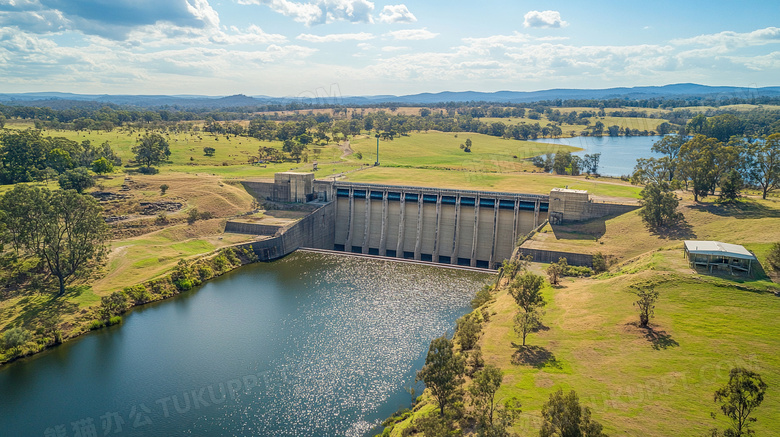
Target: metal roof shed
[{"x": 715, "y": 254}]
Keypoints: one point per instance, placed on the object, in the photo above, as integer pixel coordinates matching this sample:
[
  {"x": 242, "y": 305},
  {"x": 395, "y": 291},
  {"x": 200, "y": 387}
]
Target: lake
[
  {"x": 618, "y": 154},
  {"x": 309, "y": 345}
]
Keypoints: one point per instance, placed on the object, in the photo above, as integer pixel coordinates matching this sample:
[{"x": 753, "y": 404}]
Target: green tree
[
  {"x": 527, "y": 291},
  {"x": 102, "y": 166},
  {"x": 467, "y": 147},
  {"x": 599, "y": 263},
  {"x": 151, "y": 149},
  {"x": 698, "y": 163},
  {"x": 468, "y": 329},
  {"x": 557, "y": 270},
  {"x": 484, "y": 386},
  {"x": 59, "y": 160},
  {"x": 670, "y": 146},
  {"x": 526, "y": 322},
  {"x": 2, "y": 121},
  {"x": 163, "y": 188},
  {"x": 562, "y": 416},
  {"x": 598, "y": 128},
  {"x": 773, "y": 258},
  {"x": 443, "y": 372},
  {"x": 738, "y": 398},
  {"x": 764, "y": 168},
  {"x": 659, "y": 205},
  {"x": 646, "y": 299},
  {"x": 76, "y": 179},
  {"x": 192, "y": 216},
  {"x": 561, "y": 162},
  {"x": 730, "y": 186},
  {"x": 64, "y": 229},
  {"x": 209, "y": 151}
]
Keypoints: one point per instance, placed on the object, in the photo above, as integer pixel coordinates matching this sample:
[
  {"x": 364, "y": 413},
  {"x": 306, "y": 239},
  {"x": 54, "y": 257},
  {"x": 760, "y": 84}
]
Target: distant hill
[{"x": 63, "y": 100}]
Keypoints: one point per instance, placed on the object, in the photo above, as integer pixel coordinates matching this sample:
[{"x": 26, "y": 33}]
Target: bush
[
  {"x": 114, "y": 321},
  {"x": 205, "y": 272},
  {"x": 96, "y": 324},
  {"x": 483, "y": 296},
  {"x": 16, "y": 337},
  {"x": 162, "y": 219},
  {"x": 76, "y": 179},
  {"x": 113, "y": 305},
  {"x": 468, "y": 331},
  {"x": 192, "y": 216},
  {"x": 164, "y": 188},
  {"x": 138, "y": 293},
  {"x": 206, "y": 215},
  {"x": 183, "y": 284},
  {"x": 599, "y": 263},
  {"x": 148, "y": 170}
]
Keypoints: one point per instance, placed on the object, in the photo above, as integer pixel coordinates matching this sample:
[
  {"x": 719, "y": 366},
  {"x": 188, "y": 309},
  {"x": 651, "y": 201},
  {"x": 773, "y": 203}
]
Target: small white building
[{"x": 714, "y": 254}]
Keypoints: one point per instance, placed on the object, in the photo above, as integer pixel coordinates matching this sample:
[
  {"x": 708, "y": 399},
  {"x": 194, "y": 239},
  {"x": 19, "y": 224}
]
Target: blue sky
[{"x": 359, "y": 47}]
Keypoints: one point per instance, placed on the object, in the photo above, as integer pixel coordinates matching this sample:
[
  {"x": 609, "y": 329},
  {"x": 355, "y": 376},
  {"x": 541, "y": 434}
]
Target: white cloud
[
  {"x": 731, "y": 39},
  {"x": 412, "y": 34},
  {"x": 498, "y": 40},
  {"x": 320, "y": 11},
  {"x": 394, "y": 48},
  {"x": 335, "y": 37},
  {"x": 396, "y": 14},
  {"x": 544, "y": 19}
]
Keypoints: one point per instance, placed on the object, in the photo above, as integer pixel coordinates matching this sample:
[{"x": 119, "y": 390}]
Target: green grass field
[{"x": 442, "y": 150}]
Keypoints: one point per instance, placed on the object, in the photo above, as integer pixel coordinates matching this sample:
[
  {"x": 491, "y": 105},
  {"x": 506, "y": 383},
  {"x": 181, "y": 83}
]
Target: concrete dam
[{"x": 459, "y": 227}]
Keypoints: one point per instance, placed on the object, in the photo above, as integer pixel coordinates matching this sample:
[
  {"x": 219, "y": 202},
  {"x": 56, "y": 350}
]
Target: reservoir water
[
  {"x": 309, "y": 345},
  {"x": 618, "y": 154}
]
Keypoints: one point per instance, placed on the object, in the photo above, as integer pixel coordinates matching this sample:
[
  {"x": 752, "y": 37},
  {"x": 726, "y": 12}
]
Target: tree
[
  {"x": 64, "y": 229},
  {"x": 646, "y": 298},
  {"x": 163, "y": 188},
  {"x": 192, "y": 216},
  {"x": 151, "y": 149},
  {"x": 77, "y": 179},
  {"x": 598, "y": 128},
  {"x": 774, "y": 256},
  {"x": 669, "y": 146},
  {"x": 614, "y": 130},
  {"x": 599, "y": 263},
  {"x": 484, "y": 387},
  {"x": 590, "y": 163},
  {"x": 561, "y": 162},
  {"x": 2, "y": 121},
  {"x": 443, "y": 372},
  {"x": 697, "y": 162},
  {"x": 562, "y": 416},
  {"x": 527, "y": 291},
  {"x": 659, "y": 205},
  {"x": 743, "y": 394},
  {"x": 527, "y": 322},
  {"x": 468, "y": 330},
  {"x": 102, "y": 166},
  {"x": 764, "y": 170},
  {"x": 556, "y": 270},
  {"x": 731, "y": 186},
  {"x": 652, "y": 170},
  {"x": 209, "y": 151}
]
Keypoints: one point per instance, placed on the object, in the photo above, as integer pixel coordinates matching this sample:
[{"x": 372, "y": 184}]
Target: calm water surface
[
  {"x": 310, "y": 345},
  {"x": 618, "y": 154}
]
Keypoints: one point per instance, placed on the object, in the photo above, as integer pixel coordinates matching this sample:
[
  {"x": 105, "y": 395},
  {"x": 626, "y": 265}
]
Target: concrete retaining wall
[
  {"x": 315, "y": 230},
  {"x": 552, "y": 256},
  {"x": 251, "y": 228}
]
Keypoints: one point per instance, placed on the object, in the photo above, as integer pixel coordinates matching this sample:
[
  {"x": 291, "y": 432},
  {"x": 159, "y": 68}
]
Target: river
[
  {"x": 618, "y": 154},
  {"x": 309, "y": 345}
]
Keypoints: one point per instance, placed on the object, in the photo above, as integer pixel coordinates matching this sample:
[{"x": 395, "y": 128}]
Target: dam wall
[
  {"x": 461, "y": 227},
  {"x": 315, "y": 231}
]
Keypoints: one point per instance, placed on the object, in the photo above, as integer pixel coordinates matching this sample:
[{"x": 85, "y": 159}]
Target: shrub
[
  {"x": 468, "y": 331},
  {"x": 183, "y": 284},
  {"x": 16, "y": 337},
  {"x": 164, "y": 188},
  {"x": 114, "y": 321},
  {"x": 162, "y": 219},
  {"x": 113, "y": 304},
  {"x": 192, "y": 216},
  {"x": 205, "y": 272},
  {"x": 148, "y": 170},
  {"x": 138, "y": 293},
  {"x": 483, "y": 296},
  {"x": 206, "y": 215},
  {"x": 96, "y": 324},
  {"x": 599, "y": 263}
]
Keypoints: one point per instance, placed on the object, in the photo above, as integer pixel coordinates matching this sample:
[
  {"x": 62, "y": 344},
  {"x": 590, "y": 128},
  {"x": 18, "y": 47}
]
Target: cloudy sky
[{"x": 360, "y": 47}]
